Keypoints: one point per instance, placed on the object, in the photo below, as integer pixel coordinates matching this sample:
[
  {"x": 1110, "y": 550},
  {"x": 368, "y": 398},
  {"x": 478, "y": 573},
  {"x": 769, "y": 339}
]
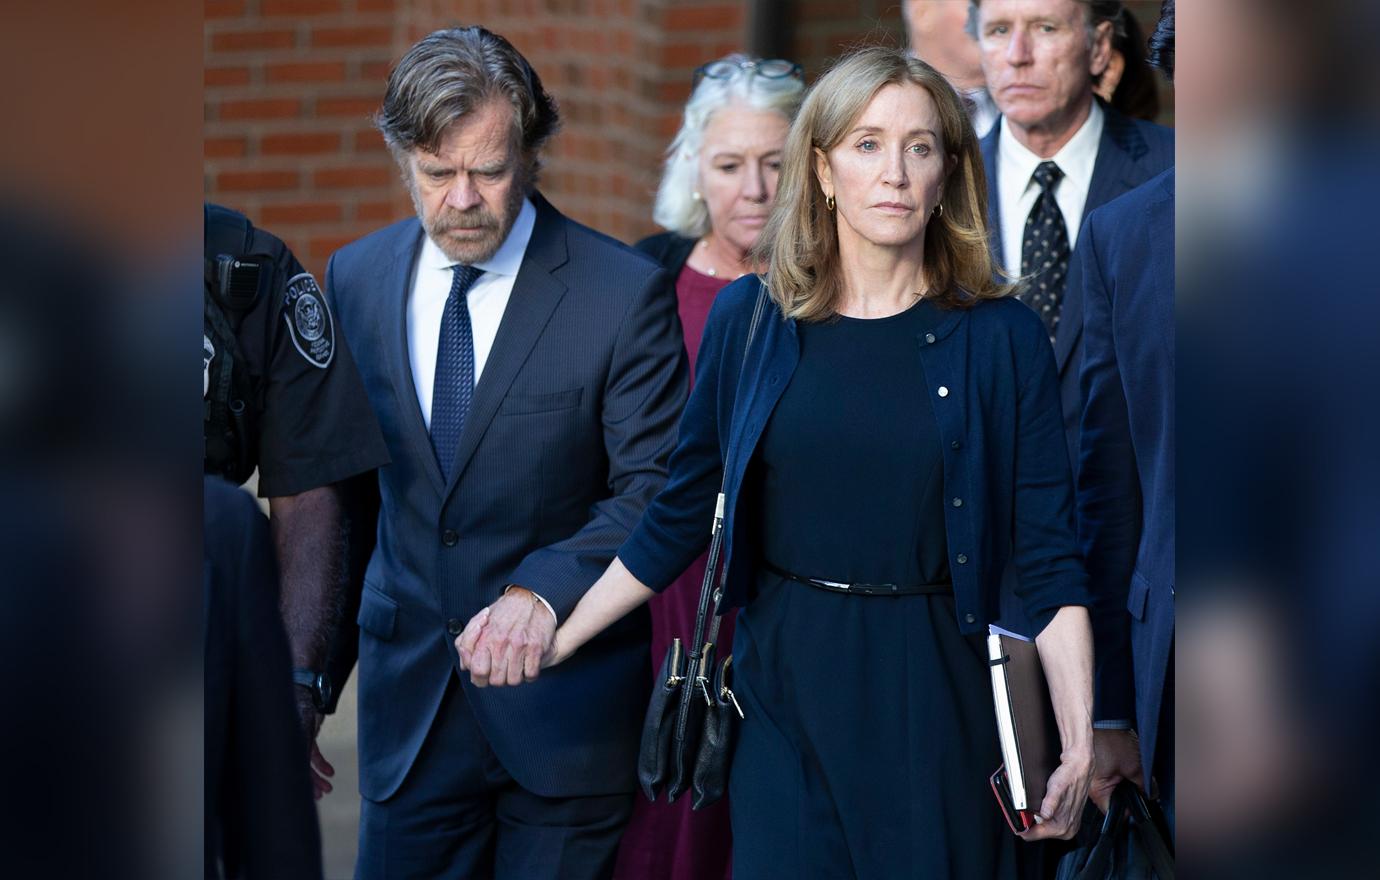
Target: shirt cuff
[
  {"x": 1113, "y": 724},
  {"x": 545, "y": 603}
]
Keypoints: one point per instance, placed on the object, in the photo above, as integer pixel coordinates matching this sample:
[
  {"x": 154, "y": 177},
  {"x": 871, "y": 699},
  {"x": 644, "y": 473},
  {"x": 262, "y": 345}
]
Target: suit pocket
[
  {"x": 518, "y": 404},
  {"x": 1138, "y": 595},
  {"x": 378, "y": 614}
]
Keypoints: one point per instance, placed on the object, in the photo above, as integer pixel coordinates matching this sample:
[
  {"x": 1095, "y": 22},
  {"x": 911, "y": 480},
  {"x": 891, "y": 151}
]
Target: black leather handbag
[
  {"x": 1131, "y": 842},
  {"x": 692, "y": 718}
]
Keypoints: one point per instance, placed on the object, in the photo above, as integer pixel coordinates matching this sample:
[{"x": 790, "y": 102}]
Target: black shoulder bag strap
[{"x": 704, "y": 642}]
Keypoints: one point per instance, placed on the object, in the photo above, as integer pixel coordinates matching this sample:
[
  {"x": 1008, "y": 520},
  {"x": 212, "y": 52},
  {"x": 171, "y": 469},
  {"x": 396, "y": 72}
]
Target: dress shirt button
[
  {"x": 929, "y": 338},
  {"x": 962, "y": 559},
  {"x": 970, "y": 617},
  {"x": 454, "y": 626},
  {"x": 955, "y": 445},
  {"x": 450, "y": 538},
  {"x": 943, "y": 391},
  {"x": 958, "y": 502}
]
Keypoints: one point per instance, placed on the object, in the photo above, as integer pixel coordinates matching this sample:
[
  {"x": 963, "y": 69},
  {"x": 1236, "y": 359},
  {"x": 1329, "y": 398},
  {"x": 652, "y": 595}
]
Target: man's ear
[
  {"x": 823, "y": 173},
  {"x": 1101, "y": 54}
]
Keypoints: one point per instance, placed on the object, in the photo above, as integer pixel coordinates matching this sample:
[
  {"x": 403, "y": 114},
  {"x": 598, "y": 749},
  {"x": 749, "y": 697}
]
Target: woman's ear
[{"x": 823, "y": 173}]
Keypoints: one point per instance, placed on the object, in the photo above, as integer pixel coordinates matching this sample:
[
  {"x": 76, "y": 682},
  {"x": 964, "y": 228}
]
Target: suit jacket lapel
[
  {"x": 989, "y": 159},
  {"x": 536, "y": 293},
  {"x": 1118, "y": 152},
  {"x": 398, "y": 278}
]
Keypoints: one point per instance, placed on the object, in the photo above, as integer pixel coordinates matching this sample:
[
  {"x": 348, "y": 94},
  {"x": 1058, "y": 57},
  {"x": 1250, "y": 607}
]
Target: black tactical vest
[{"x": 235, "y": 281}]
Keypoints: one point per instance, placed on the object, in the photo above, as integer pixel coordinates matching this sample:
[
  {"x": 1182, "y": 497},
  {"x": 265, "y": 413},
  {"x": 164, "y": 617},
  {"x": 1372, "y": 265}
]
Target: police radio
[{"x": 239, "y": 281}]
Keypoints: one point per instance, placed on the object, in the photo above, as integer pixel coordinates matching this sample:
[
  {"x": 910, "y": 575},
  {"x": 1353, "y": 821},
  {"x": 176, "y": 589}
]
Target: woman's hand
[
  {"x": 1065, "y": 646},
  {"x": 1061, "y": 811}
]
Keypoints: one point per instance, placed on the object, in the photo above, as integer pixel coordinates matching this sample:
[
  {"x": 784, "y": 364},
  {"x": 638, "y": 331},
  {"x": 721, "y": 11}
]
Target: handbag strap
[{"x": 707, "y": 590}]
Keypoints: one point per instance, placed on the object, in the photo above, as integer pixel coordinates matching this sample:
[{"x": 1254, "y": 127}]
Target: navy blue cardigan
[{"x": 990, "y": 374}]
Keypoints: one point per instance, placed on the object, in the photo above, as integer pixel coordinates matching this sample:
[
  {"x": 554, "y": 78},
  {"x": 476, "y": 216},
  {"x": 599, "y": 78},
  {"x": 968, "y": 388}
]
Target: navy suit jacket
[
  {"x": 1125, "y": 272},
  {"x": 1131, "y": 152},
  {"x": 565, "y": 444},
  {"x": 991, "y": 384}
]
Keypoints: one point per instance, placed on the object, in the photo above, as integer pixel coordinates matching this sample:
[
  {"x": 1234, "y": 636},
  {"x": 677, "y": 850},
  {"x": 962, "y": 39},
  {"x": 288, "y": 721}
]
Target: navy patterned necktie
[
  {"x": 454, "y": 386},
  {"x": 1045, "y": 250}
]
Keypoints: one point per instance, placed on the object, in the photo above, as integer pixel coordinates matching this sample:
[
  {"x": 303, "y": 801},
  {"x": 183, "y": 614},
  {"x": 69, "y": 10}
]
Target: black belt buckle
[{"x": 875, "y": 589}]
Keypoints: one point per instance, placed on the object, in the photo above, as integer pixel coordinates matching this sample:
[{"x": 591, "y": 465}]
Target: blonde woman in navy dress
[{"x": 896, "y": 421}]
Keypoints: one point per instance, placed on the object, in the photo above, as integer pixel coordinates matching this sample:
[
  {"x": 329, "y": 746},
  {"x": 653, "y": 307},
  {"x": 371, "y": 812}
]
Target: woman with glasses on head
[
  {"x": 888, "y": 447},
  {"x": 715, "y": 196}
]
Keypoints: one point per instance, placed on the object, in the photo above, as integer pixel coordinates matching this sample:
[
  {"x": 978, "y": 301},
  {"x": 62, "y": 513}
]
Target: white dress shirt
[
  {"x": 1016, "y": 192},
  {"x": 488, "y": 298}
]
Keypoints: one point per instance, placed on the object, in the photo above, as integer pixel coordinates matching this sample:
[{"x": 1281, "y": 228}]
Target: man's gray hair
[
  {"x": 676, "y": 207},
  {"x": 449, "y": 74},
  {"x": 1098, "y": 12}
]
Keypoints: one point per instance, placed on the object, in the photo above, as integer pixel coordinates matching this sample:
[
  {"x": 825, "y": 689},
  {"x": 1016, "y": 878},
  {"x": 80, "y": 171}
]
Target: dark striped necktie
[
  {"x": 454, "y": 385},
  {"x": 1045, "y": 250}
]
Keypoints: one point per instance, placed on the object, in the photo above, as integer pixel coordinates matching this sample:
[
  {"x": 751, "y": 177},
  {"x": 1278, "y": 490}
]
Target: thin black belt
[{"x": 937, "y": 589}]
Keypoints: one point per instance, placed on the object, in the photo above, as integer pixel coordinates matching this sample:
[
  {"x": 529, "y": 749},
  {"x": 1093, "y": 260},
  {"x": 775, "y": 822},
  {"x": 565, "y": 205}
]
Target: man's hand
[
  {"x": 310, "y": 720},
  {"x": 1062, "y": 809},
  {"x": 1116, "y": 756},
  {"x": 504, "y": 644}
]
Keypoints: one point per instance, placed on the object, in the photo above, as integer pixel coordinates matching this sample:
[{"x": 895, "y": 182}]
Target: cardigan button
[
  {"x": 962, "y": 559},
  {"x": 958, "y": 502},
  {"x": 929, "y": 337},
  {"x": 955, "y": 445},
  {"x": 970, "y": 618},
  {"x": 943, "y": 391}
]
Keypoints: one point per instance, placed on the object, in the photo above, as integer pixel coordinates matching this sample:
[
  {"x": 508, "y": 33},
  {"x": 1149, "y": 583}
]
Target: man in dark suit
[
  {"x": 1126, "y": 473},
  {"x": 528, "y": 374},
  {"x": 1125, "y": 273},
  {"x": 1055, "y": 154},
  {"x": 259, "y": 816}
]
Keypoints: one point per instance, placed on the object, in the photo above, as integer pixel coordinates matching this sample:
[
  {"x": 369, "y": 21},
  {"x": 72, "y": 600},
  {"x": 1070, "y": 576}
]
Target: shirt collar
[
  {"x": 1076, "y": 158},
  {"x": 506, "y": 261}
]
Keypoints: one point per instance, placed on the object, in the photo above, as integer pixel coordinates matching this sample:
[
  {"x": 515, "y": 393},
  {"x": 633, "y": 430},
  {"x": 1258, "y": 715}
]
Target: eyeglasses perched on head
[{"x": 768, "y": 68}]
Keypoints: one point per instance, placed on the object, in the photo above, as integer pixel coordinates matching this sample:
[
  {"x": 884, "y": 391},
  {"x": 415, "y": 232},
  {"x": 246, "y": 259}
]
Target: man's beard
[{"x": 492, "y": 230}]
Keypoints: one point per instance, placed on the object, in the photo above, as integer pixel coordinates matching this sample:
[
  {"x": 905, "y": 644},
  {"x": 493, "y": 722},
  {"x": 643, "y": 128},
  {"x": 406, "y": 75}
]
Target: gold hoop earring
[{"x": 829, "y": 202}]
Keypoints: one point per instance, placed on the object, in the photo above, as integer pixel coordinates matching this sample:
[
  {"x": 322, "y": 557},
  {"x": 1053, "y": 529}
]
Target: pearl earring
[{"x": 696, "y": 196}]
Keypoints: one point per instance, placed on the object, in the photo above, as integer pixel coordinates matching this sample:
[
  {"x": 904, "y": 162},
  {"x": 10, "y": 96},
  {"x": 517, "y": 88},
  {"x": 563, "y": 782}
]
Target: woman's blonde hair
[{"x": 800, "y": 244}]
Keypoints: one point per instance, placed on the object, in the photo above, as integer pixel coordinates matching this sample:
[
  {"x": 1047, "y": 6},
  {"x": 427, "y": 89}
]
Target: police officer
[{"x": 281, "y": 393}]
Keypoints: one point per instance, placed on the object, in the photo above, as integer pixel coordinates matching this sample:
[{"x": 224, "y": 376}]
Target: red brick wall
[{"x": 290, "y": 86}]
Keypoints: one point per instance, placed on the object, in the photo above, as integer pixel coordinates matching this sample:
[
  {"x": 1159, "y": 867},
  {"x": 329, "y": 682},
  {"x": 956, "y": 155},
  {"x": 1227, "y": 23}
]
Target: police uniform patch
[{"x": 309, "y": 320}]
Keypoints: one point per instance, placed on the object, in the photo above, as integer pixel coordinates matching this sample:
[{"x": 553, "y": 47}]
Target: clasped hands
[{"x": 509, "y": 642}]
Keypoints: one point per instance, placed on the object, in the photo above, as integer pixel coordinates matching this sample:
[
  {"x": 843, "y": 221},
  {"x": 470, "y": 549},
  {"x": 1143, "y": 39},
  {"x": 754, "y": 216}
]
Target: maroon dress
[{"x": 670, "y": 841}]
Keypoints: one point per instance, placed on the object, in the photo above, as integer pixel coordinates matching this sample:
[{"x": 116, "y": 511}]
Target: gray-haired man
[{"x": 528, "y": 375}]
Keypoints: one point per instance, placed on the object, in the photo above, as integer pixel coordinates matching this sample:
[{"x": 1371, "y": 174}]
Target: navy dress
[{"x": 869, "y": 734}]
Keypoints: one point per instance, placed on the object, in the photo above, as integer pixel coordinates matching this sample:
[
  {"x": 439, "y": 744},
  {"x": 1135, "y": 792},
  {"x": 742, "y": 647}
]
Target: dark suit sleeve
[
  {"x": 643, "y": 396},
  {"x": 1045, "y": 541},
  {"x": 1108, "y": 489},
  {"x": 676, "y": 527},
  {"x": 267, "y": 809}
]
